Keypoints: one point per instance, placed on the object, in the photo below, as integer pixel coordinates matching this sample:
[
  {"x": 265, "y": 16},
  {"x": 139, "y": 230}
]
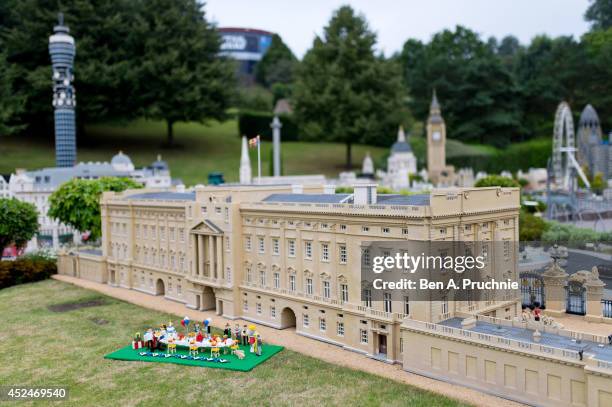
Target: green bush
[
  {"x": 252, "y": 123},
  {"x": 26, "y": 270}
]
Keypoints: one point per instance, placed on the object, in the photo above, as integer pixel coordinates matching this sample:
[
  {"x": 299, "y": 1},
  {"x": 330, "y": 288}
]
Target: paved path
[{"x": 289, "y": 339}]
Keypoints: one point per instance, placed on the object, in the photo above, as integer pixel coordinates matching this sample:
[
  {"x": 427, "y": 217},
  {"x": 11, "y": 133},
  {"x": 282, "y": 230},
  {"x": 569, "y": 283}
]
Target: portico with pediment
[{"x": 207, "y": 251}]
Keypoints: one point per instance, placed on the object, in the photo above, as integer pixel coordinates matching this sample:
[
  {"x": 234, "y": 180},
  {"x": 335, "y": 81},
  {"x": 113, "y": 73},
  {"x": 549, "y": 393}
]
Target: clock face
[{"x": 436, "y": 136}]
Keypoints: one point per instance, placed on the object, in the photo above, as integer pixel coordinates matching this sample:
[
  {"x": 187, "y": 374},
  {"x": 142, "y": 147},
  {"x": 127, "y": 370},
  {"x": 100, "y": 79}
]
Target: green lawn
[
  {"x": 44, "y": 348},
  {"x": 203, "y": 149}
]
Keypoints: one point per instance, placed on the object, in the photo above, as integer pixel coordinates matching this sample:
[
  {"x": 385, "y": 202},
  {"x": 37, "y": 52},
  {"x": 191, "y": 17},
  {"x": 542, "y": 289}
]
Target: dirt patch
[
  {"x": 99, "y": 321},
  {"x": 71, "y": 306}
]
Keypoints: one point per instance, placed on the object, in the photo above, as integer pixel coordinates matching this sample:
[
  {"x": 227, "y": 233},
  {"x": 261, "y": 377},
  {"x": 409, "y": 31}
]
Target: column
[
  {"x": 219, "y": 262},
  {"x": 201, "y": 255},
  {"x": 594, "y": 293},
  {"x": 554, "y": 290},
  {"x": 211, "y": 255},
  {"x": 193, "y": 261}
]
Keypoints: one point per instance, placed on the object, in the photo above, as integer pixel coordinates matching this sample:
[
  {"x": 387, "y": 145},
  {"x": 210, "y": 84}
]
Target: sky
[{"x": 298, "y": 21}]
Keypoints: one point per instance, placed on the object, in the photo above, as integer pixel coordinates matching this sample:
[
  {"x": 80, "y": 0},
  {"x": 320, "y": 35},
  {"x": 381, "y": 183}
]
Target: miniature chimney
[
  {"x": 297, "y": 188},
  {"x": 365, "y": 194},
  {"x": 180, "y": 188}
]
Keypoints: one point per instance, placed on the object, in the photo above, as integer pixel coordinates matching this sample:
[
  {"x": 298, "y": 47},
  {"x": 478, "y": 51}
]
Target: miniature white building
[
  {"x": 36, "y": 186},
  {"x": 400, "y": 165}
]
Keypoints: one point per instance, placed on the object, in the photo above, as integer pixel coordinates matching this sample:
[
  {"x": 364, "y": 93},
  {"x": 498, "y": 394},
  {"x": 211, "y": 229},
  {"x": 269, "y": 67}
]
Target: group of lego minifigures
[
  {"x": 247, "y": 335},
  {"x": 166, "y": 338}
]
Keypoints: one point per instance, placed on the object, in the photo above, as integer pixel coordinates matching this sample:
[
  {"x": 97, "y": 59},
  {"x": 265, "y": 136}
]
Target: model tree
[
  {"x": 599, "y": 14},
  {"x": 77, "y": 202},
  {"x": 180, "y": 75},
  {"x": 496, "y": 181},
  {"x": 344, "y": 92},
  {"x": 277, "y": 67},
  {"x": 18, "y": 222}
]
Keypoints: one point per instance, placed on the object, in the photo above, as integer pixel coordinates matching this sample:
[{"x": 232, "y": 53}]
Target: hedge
[
  {"x": 251, "y": 123},
  {"x": 25, "y": 270}
]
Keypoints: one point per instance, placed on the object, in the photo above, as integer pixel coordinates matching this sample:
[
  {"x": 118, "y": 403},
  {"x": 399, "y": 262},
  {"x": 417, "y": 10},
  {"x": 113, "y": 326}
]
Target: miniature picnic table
[{"x": 204, "y": 344}]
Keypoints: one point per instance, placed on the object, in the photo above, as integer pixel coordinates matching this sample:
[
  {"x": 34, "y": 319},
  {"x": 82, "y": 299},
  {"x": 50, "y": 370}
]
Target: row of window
[
  {"x": 291, "y": 284},
  {"x": 151, "y": 231},
  {"x": 163, "y": 260},
  {"x": 291, "y": 249}
]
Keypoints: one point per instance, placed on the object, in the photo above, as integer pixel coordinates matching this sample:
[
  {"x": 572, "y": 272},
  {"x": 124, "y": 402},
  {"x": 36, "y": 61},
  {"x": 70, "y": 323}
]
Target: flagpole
[{"x": 258, "y": 160}]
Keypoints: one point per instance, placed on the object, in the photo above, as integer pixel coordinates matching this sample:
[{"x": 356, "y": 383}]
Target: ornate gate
[
  {"x": 576, "y": 293},
  {"x": 532, "y": 290}
]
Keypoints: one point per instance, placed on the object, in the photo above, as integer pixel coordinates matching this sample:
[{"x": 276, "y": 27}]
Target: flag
[{"x": 254, "y": 142}]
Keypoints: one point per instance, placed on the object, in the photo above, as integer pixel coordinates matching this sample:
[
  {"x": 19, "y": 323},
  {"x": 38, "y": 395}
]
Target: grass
[
  {"x": 42, "y": 347},
  {"x": 203, "y": 149}
]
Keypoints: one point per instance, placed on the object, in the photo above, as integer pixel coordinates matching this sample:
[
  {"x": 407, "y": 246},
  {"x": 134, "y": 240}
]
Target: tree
[
  {"x": 550, "y": 70},
  {"x": 496, "y": 181},
  {"x": 181, "y": 76},
  {"x": 595, "y": 84},
  {"x": 344, "y": 92},
  {"x": 531, "y": 227},
  {"x": 479, "y": 94},
  {"x": 77, "y": 202},
  {"x": 18, "y": 222},
  {"x": 11, "y": 102},
  {"x": 277, "y": 65},
  {"x": 104, "y": 64},
  {"x": 599, "y": 14}
]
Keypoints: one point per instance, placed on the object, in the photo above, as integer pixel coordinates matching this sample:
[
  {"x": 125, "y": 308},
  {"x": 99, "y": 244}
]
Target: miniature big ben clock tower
[{"x": 436, "y": 142}]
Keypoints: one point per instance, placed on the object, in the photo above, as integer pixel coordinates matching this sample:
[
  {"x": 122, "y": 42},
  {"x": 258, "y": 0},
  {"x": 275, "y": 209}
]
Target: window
[
  {"x": 272, "y": 311},
  {"x": 326, "y": 289},
  {"x": 342, "y": 227},
  {"x": 226, "y": 214},
  {"x": 276, "y": 280},
  {"x": 309, "y": 286},
  {"x": 162, "y": 233},
  {"x": 468, "y": 228},
  {"x": 262, "y": 278},
  {"x": 227, "y": 244},
  {"x": 365, "y": 257},
  {"x": 401, "y": 345},
  {"x": 262, "y": 245},
  {"x": 292, "y": 282},
  {"x": 218, "y": 210},
  {"x": 179, "y": 289},
  {"x": 322, "y": 325},
  {"x": 340, "y": 328},
  {"x": 343, "y": 254},
  {"x": 247, "y": 243},
  {"x": 363, "y": 335},
  {"x": 365, "y": 229},
  {"x": 444, "y": 306},
  {"x": 245, "y": 306},
  {"x": 387, "y": 302},
  {"x": 258, "y": 308},
  {"x": 153, "y": 234},
  {"x": 324, "y": 252},
  {"x": 404, "y": 231},
  {"x": 367, "y": 297},
  {"x": 204, "y": 210},
  {"x": 291, "y": 248},
  {"x": 406, "y": 305},
  {"x": 442, "y": 231},
  {"x": 182, "y": 235},
  {"x": 228, "y": 274},
  {"x": 308, "y": 250},
  {"x": 386, "y": 230},
  {"x": 275, "y": 246},
  {"x": 305, "y": 320},
  {"x": 249, "y": 274},
  {"x": 344, "y": 292}
]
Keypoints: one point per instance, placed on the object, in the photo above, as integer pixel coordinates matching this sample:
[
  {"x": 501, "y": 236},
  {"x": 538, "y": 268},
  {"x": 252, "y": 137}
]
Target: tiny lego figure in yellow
[
  {"x": 193, "y": 348},
  {"x": 171, "y": 345}
]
